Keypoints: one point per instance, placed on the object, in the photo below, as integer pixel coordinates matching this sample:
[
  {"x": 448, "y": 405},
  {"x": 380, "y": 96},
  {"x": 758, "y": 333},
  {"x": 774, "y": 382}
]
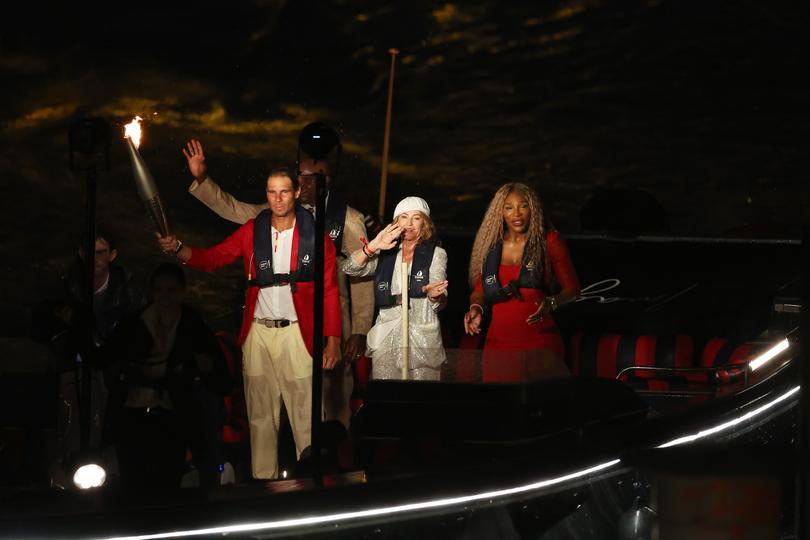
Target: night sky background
[{"x": 699, "y": 104}]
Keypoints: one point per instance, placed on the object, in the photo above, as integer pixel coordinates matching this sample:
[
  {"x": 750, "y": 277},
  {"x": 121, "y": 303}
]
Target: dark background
[{"x": 699, "y": 104}]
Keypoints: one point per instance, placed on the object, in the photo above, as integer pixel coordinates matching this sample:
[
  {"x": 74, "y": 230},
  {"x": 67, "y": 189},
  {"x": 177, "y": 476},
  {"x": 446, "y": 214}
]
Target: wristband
[
  {"x": 479, "y": 306},
  {"x": 178, "y": 248},
  {"x": 366, "y": 251},
  {"x": 552, "y": 303}
]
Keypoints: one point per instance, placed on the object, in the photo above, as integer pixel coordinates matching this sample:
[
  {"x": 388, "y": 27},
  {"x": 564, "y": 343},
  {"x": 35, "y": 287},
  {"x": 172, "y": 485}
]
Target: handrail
[{"x": 743, "y": 366}]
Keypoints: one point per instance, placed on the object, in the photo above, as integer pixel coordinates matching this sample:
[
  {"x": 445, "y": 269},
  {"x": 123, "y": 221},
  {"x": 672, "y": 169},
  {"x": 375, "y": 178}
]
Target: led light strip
[
  {"x": 731, "y": 423},
  {"x": 769, "y": 354},
  {"x": 333, "y": 518}
]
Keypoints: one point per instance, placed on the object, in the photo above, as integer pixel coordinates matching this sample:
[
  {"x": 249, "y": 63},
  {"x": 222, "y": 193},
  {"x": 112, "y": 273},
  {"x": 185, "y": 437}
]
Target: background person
[
  {"x": 57, "y": 322},
  {"x": 174, "y": 378}
]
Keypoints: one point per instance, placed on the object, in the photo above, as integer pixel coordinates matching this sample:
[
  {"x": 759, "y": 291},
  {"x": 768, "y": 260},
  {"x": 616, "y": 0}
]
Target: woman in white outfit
[{"x": 410, "y": 238}]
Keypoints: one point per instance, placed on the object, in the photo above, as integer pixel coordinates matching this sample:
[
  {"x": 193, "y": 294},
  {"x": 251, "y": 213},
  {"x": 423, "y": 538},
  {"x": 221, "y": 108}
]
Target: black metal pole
[
  {"x": 89, "y": 141},
  {"x": 802, "y": 459},
  {"x": 317, "y": 309},
  {"x": 86, "y": 316}
]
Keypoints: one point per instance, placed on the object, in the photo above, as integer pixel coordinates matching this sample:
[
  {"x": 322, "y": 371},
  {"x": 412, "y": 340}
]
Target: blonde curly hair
[{"x": 492, "y": 228}]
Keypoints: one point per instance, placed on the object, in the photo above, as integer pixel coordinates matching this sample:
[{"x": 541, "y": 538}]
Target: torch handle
[{"x": 158, "y": 216}]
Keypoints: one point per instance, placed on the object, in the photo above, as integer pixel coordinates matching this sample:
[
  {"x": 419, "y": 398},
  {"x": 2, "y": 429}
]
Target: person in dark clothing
[
  {"x": 57, "y": 322},
  {"x": 174, "y": 376},
  {"x": 113, "y": 295}
]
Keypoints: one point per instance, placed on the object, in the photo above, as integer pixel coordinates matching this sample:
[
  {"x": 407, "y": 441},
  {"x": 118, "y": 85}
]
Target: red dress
[{"x": 508, "y": 330}]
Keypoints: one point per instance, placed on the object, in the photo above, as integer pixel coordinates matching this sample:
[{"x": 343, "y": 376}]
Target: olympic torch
[{"x": 143, "y": 178}]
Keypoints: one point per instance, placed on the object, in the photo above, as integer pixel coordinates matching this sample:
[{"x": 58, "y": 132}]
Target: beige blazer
[{"x": 356, "y": 294}]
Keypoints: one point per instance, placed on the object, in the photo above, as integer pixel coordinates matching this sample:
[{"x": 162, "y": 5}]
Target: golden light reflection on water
[
  {"x": 435, "y": 60},
  {"x": 248, "y": 137},
  {"x": 43, "y": 115},
  {"x": 450, "y": 13},
  {"x": 214, "y": 119},
  {"x": 571, "y": 10},
  {"x": 443, "y": 39},
  {"x": 561, "y": 36}
]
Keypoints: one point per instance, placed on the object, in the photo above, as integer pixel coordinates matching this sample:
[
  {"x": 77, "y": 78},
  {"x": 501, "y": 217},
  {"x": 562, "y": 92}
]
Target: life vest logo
[
  {"x": 305, "y": 260},
  {"x": 383, "y": 286},
  {"x": 266, "y": 265},
  {"x": 334, "y": 233},
  {"x": 490, "y": 279},
  {"x": 419, "y": 276}
]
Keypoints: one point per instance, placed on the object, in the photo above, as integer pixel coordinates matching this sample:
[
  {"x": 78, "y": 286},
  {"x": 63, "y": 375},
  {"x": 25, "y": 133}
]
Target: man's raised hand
[{"x": 196, "y": 160}]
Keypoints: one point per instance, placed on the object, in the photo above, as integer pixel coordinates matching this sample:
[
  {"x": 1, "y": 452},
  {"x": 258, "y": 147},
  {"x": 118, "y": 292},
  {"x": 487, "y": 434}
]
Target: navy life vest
[
  {"x": 335, "y": 218},
  {"x": 530, "y": 277},
  {"x": 420, "y": 274},
  {"x": 263, "y": 250}
]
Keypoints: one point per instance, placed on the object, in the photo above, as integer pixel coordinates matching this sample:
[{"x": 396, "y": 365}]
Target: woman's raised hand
[{"x": 386, "y": 238}]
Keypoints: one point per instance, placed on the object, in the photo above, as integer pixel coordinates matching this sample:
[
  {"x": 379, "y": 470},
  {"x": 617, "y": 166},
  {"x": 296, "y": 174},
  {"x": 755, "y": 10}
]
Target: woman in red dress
[{"x": 516, "y": 261}]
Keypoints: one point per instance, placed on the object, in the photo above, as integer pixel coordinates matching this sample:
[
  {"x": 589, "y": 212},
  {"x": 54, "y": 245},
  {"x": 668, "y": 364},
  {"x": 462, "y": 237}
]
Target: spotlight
[
  {"x": 89, "y": 476},
  {"x": 88, "y": 469},
  {"x": 89, "y": 140},
  {"x": 317, "y": 140}
]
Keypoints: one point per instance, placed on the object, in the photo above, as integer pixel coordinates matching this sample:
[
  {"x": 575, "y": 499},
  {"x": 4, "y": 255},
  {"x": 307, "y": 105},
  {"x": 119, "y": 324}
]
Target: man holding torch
[
  {"x": 277, "y": 249},
  {"x": 346, "y": 227}
]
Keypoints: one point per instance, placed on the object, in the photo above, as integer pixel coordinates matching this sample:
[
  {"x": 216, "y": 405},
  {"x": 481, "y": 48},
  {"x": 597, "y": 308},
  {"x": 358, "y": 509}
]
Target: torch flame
[{"x": 133, "y": 131}]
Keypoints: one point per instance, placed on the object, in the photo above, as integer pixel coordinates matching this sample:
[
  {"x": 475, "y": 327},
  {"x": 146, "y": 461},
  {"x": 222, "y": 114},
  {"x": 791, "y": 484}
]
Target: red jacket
[{"x": 240, "y": 244}]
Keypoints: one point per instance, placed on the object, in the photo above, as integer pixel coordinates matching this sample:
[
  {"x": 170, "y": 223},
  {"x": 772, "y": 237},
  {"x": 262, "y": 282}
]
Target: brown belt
[{"x": 274, "y": 323}]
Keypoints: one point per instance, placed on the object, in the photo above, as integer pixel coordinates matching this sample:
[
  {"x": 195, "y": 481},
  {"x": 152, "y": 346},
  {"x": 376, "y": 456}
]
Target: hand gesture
[
  {"x": 543, "y": 308},
  {"x": 472, "y": 321},
  {"x": 435, "y": 290},
  {"x": 386, "y": 238},
  {"x": 196, "y": 160}
]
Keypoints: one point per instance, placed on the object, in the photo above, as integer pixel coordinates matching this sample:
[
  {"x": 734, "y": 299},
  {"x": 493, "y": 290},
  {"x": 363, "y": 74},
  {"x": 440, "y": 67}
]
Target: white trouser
[{"x": 276, "y": 367}]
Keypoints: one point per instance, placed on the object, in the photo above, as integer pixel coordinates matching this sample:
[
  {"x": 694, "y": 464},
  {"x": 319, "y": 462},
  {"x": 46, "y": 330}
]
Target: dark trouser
[{"x": 151, "y": 448}]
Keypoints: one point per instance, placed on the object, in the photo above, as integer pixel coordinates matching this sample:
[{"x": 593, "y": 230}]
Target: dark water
[{"x": 697, "y": 104}]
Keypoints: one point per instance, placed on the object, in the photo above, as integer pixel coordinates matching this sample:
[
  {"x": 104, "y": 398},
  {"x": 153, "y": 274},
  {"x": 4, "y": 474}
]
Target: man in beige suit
[{"x": 346, "y": 227}]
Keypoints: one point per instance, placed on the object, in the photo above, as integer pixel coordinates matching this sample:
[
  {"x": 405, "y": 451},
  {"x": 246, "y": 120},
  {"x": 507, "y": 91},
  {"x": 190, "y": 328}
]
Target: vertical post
[
  {"x": 317, "y": 335},
  {"x": 84, "y": 388},
  {"x": 89, "y": 141},
  {"x": 802, "y": 465},
  {"x": 405, "y": 313},
  {"x": 387, "y": 136}
]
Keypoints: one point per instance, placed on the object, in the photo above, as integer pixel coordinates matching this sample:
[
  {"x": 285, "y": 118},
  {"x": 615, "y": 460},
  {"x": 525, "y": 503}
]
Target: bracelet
[
  {"x": 552, "y": 303},
  {"x": 479, "y": 306},
  {"x": 178, "y": 248},
  {"x": 366, "y": 252},
  {"x": 366, "y": 249}
]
